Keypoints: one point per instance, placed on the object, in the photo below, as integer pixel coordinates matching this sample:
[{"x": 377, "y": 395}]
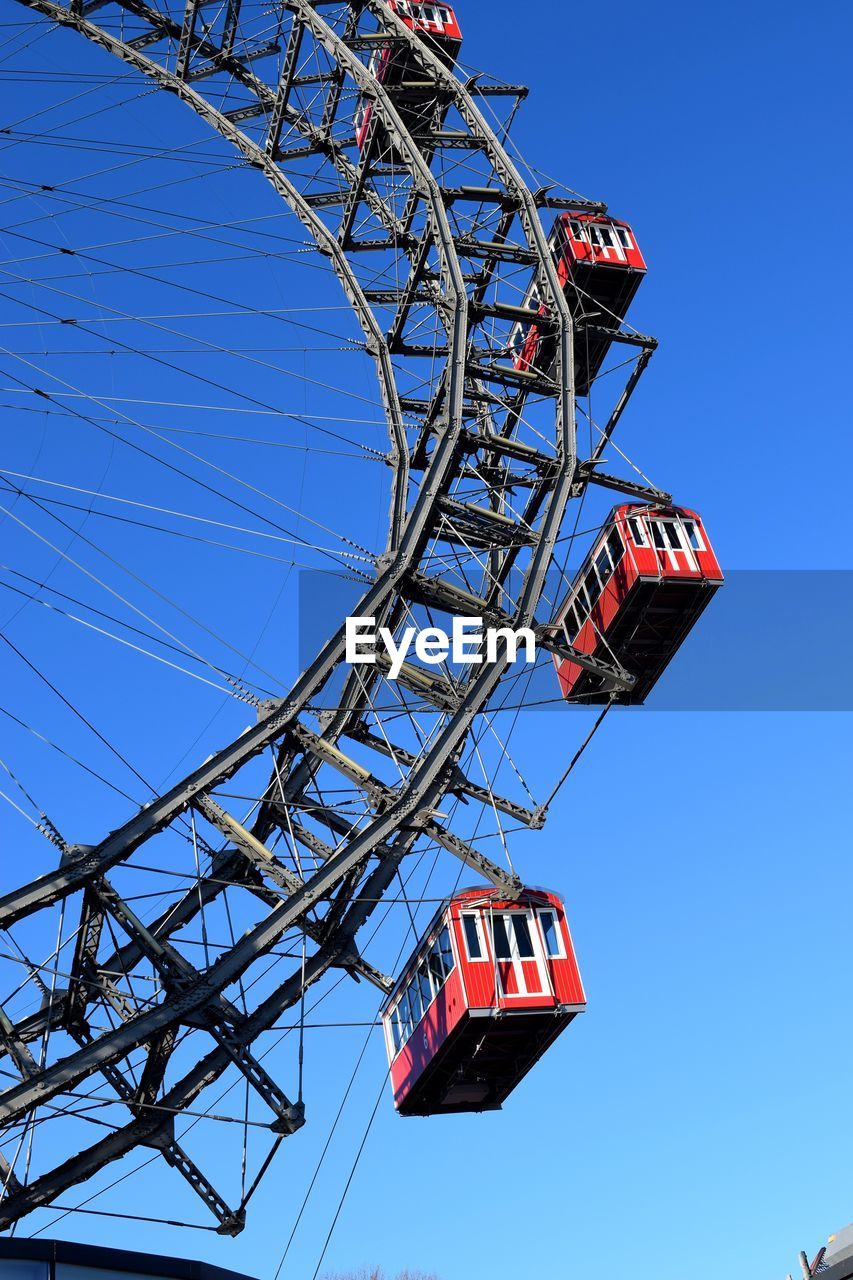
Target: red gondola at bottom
[{"x": 488, "y": 989}]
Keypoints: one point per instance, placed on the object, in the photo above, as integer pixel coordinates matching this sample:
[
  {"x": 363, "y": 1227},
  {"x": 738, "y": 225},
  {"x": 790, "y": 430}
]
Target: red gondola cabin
[
  {"x": 600, "y": 266},
  {"x": 491, "y": 985},
  {"x": 434, "y": 23},
  {"x": 647, "y": 579}
]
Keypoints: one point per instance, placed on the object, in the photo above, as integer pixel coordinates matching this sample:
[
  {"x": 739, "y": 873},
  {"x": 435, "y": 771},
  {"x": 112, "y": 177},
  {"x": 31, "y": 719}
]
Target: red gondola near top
[
  {"x": 436, "y": 24},
  {"x": 600, "y": 266},
  {"x": 649, "y": 576},
  {"x": 431, "y": 19},
  {"x": 490, "y": 986}
]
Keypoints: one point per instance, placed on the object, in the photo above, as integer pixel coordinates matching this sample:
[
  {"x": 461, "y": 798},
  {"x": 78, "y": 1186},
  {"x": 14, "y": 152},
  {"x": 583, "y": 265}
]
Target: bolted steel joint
[{"x": 290, "y": 1119}]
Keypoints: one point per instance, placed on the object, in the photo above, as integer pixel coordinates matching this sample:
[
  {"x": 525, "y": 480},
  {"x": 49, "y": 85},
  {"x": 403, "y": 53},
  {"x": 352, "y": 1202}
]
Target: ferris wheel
[{"x": 489, "y": 308}]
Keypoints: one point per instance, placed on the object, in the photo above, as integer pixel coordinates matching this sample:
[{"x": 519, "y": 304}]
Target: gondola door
[
  {"x": 605, "y": 244},
  {"x": 670, "y": 540},
  {"x": 519, "y": 962}
]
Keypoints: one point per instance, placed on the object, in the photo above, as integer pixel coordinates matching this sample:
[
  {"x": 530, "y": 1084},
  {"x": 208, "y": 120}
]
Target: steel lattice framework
[{"x": 434, "y": 236}]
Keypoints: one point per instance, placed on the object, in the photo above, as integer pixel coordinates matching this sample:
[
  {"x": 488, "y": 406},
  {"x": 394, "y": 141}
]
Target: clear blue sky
[{"x": 695, "y": 1119}]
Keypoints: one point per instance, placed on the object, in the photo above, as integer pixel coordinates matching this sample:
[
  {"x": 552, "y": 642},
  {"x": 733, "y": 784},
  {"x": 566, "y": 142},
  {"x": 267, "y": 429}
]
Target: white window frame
[
  {"x": 484, "y": 958},
  {"x": 434, "y": 989},
  {"x": 517, "y": 339},
  {"x": 637, "y": 524},
  {"x": 435, "y": 985},
  {"x": 697, "y": 532},
  {"x": 405, "y": 1030},
  {"x": 393, "y": 1020},
  {"x": 582, "y": 604},
  {"x": 520, "y": 331},
  {"x": 435, "y": 940},
  {"x": 572, "y": 606},
  {"x": 672, "y": 528},
  {"x": 665, "y": 548},
  {"x": 592, "y": 576},
  {"x": 410, "y": 986},
  {"x": 603, "y": 547},
  {"x": 560, "y": 954},
  {"x": 579, "y": 602},
  {"x": 615, "y": 562}
]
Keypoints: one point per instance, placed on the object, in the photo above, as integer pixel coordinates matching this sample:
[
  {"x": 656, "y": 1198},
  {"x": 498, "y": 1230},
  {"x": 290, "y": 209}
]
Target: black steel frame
[{"x": 460, "y": 541}]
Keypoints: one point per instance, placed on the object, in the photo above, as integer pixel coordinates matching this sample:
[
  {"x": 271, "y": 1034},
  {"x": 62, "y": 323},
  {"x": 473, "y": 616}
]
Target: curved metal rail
[{"x": 459, "y": 542}]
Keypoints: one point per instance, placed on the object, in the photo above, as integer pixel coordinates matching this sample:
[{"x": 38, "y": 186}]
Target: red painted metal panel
[
  {"x": 428, "y": 1036},
  {"x": 598, "y": 261},
  {"x": 648, "y": 556},
  {"x": 389, "y": 65},
  {"x": 480, "y": 975},
  {"x": 439, "y": 20},
  {"x": 546, "y": 985},
  {"x": 379, "y": 65},
  {"x": 586, "y": 244}
]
